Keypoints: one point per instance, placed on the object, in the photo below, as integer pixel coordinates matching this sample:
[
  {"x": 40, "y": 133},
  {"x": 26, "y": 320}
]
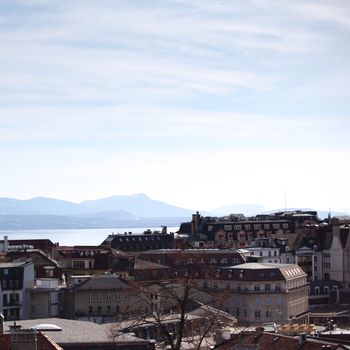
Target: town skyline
[{"x": 199, "y": 104}]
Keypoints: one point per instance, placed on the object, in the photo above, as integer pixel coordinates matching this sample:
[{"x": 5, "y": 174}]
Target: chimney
[
  {"x": 23, "y": 339},
  {"x": 302, "y": 338},
  {"x": 6, "y": 244},
  {"x": 2, "y": 318}
]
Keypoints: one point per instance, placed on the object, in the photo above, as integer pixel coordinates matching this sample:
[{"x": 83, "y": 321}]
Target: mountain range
[
  {"x": 136, "y": 210},
  {"x": 115, "y": 211}
]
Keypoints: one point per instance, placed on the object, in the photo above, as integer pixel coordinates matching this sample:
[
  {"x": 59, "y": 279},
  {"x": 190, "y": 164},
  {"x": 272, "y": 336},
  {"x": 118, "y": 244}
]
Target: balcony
[{"x": 12, "y": 304}]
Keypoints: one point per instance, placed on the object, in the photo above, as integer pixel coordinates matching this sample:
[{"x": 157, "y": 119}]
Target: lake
[{"x": 71, "y": 237}]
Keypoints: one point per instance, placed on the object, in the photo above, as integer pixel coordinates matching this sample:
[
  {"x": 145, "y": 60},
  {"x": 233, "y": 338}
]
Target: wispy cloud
[{"x": 120, "y": 90}]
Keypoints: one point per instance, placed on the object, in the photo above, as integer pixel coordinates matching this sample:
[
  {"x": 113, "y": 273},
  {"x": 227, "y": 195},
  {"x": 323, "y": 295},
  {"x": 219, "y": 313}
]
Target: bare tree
[{"x": 175, "y": 311}]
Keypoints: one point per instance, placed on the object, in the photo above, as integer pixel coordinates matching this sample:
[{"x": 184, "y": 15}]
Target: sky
[{"x": 198, "y": 103}]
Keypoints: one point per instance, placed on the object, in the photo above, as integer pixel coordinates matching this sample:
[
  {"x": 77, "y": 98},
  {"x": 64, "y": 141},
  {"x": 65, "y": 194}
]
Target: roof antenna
[{"x": 285, "y": 200}]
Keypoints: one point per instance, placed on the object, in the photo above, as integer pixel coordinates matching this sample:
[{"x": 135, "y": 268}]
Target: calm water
[{"x": 76, "y": 236}]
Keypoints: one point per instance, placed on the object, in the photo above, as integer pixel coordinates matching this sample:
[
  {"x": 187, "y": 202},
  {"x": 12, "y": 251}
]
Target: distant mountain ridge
[
  {"x": 138, "y": 204},
  {"x": 136, "y": 210},
  {"x": 115, "y": 211}
]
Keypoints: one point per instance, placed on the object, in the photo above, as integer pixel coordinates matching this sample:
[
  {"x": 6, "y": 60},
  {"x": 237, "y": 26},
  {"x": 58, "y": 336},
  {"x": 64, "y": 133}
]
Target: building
[
  {"x": 82, "y": 335},
  {"x": 129, "y": 242},
  {"x": 44, "y": 266},
  {"x": 83, "y": 260},
  {"x": 18, "y": 338},
  {"x": 260, "y": 340},
  {"x": 237, "y": 231},
  {"x": 205, "y": 257},
  {"x": 103, "y": 297},
  {"x": 44, "y": 299},
  {"x": 265, "y": 249},
  {"x": 260, "y": 292},
  {"x": 16, "y": 278}
]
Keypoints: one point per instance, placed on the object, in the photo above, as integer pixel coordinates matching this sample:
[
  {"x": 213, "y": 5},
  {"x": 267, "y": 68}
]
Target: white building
[{"x": 16, "y": 278}]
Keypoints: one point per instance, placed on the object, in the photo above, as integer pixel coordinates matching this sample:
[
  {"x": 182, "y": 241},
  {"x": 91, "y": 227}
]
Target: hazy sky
[{"x": 199, "y": 103}]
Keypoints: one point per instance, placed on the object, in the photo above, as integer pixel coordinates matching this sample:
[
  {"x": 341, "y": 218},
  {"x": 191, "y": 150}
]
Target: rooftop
[{"x": 74, "y": 332}]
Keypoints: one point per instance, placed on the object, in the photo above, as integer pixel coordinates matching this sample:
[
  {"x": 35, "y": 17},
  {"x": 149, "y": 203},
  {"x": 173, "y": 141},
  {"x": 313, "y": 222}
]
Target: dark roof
[
  {"x": 273, "y": 341},
  {"x": 104, "y": 281},
  {"x": 36, "y": 243},
  {"x": 147, "y": 265}
]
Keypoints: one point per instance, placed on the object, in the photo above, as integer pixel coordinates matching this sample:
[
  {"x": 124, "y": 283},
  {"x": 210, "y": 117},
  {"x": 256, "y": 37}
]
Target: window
[
  {"x": 117, "y": 309},
  {"x": 257, "y": 313},
  {"x": 267, "y": 287},
  {"x": 99, "y": 296},
  {"x": 78, "y": 264},
  {"x": 237, "y": 311},
  {"x": 126, "y": 296},
  {"x": 278, "y": 288},
  {"x": 90, "y": 297},
  {"x": 117, "y": 296},
  {"x": 257, "y": 227},
  {"x": 238, "y": 287},
  {"x": 108, "y": 309},
  {"x": 247, "y": 227},
  {"x": 326, "y": 290},
  {"x": 256, "y": 287},
  {"x": 228, "y": 227},
  {"x": 237, "y": 227},
  {"x": 205, "y": 285},
  {"x": 268, "y": 313},
  {"x": 90, "y": 310},
  {"x": 317, "y": 290},
  {"x": 99, "y": 310}
]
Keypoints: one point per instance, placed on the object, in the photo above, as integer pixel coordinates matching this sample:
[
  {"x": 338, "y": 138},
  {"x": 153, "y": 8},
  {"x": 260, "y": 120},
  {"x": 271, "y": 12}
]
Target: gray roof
[
  {"x": 13, "y": 264},
  {"x": 259, "y": 266},
  {"x": 74, "y": 332},
  {"x": 104, "y": 281}
]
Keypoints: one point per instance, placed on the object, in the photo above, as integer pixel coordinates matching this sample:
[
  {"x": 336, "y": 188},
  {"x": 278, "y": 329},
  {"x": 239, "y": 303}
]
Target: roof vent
[{"x": 47, "y": 327}]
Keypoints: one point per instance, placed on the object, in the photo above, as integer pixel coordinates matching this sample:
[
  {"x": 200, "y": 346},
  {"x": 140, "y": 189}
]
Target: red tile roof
[{"x": 43, "y": 342}]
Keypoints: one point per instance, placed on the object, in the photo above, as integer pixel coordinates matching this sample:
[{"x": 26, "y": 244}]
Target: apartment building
[
  {"x": 104, "y": 296},
  {"x": 16, "y": 278},
  {"x": 43, "y": 298},
  {"x": 261, "y": 292},
  {"x": 129, "y": 242}
]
